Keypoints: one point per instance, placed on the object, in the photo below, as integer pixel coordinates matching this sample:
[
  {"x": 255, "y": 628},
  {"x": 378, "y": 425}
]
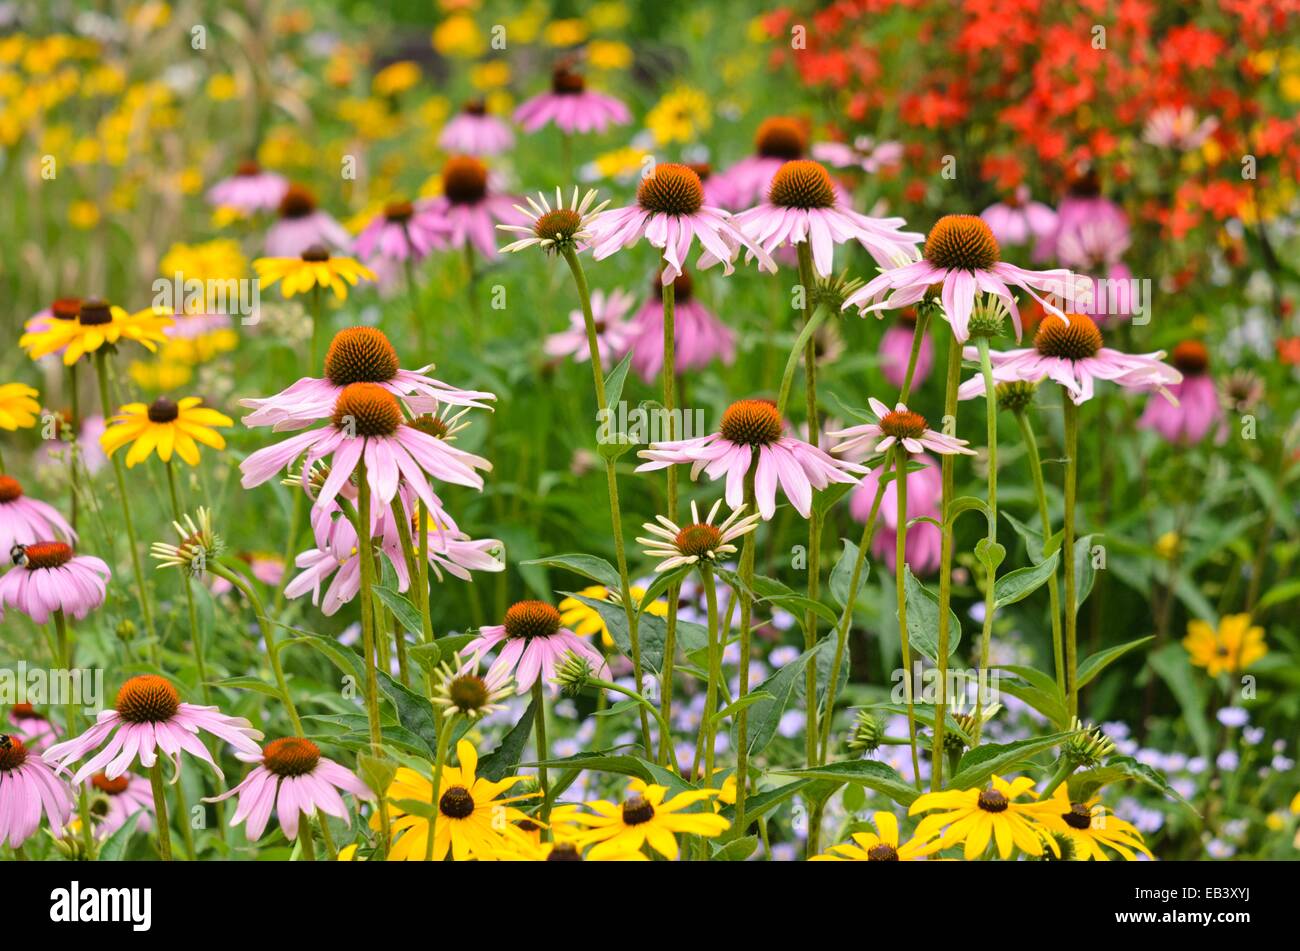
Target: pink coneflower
[
  {"x": 400, "y": 232},
  {"x": 48, "y": 577},
  {"x": 865, "y": 153},
  {"x": 355, "y": 355},
  {"x": 1019, "y": 219},
  {"x": 24, "y": 520},
  {"x": 250, "y": 189},
  {"x": 1072, "y": 354},
  {"x": 34, "y": 729},
  {"x": 28, "y": 789},
  {"x": 778, "y": 140},
  {"x": 301, "y": 224},
  {"x": 802, "y": 205},
  {"x": 924, "y": 491},
  {"x": 337, "y": 558},
  {"x": 295, "y": 780},
  {"x": 125, "y": 796},
  {"x": 699, "y": 336},
  {"x": 474, "y": 132},
  {"x": 1083, "y": 203},
  {"x": 898, "y": 425},
  {"x": 1096, "y": 246},
  {"x": 266, "y": 568},
  {"x": 613, "y": 330},
  {"x": 535, "y": 644},
  {"x": 896, "y": 350},
  {"x": 752, "y": 431},
  {"x": 149, "y": 716},
  {"x": 571, "y": 106},
  {"x": 1172, "y": 128},
  {"x": 670, "y": 213},
  {"x": 368, "y": 424},
  {"x": 1197, "y": 410},
  {"x": 962, "y": 255},
  {"x": 468, "y": 209}
]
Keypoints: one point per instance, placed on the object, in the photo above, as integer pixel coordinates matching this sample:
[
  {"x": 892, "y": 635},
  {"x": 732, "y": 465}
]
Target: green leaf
[
  {"x": 503, "y": 760},
  {"x": 780, "y": 687},
  {"x": 923, "y": 618},
  {"x": 736, "y": 706},
  {"x": 407, "y": 614},
  {"x": 615, "y": 380},
  {"x": 1033, "y": 539},
  {"x": 413, "y": 711},
  {"x": 377, "y": 772},
  {"x": 759, "y": 805},
  {"x": 1019, "y": 584},
  {"x": 1039, "y": 691},
  {"x": 737, "y": 850},
  {"x": 842, "y": 573},
  {"x": 652, "y": 630},
  {"x": 661, "y": 584},
  {"x": 1122, "y": 769},
  {"x": 113, "y": 849},
  {"x": 825, "y": 499},
  {"x": 979, "y": 764},
  {"x": 964, "y": 504},
  {"x": 990, "y": 554},
  {"x": 624, "y": 764},
  {"x": 1171, "y": 663},
  {"x": 249, "y": 683},
  {"x": 589, "y": 566},
  {"x": 356, "y": 725},
  {"x": 1279, "y": 594},
  {"x": 869, "y": 773},
  {"x": 1084, "y": 573},
  {"x": 1094, "y": 664},
  {"x": 425, "y": 655},
  {"x": 416, "y": 807}
]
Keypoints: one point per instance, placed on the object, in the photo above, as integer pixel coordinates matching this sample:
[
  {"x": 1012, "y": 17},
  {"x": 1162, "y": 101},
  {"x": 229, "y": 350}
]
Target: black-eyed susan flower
[
  {"x": 1088, "y": 826},
  {"x": 98, "y": 324},
  {"x": 315, "y": 267},
  {"x": 979, "y": 816},
  {"x": 472, "y": 814},
  {"x": 1233, "y": 647},
  {"x": 879, "y": 846},
  {"x": 18, "y": 406},
  {"x": 586, "y": 621},
  {"x": 647, "y": 815},
  {"x": 165, "y": 427}
]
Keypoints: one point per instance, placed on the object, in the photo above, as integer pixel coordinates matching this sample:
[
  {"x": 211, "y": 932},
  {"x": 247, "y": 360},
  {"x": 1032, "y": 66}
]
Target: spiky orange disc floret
[
  {"x": 698, "y": 540},
  {"x": 290, "y": 756},
  {"x": 298, "y": 202},
  {"x": 1190, "y": 357},
  {"x": 1078, "y": 340},
  {"x": 464, "y": 180},
  {"x": 531, "y": 619},
  {"x": 112, "y": 787},
  {"x": 903, "y": 424},
  {"x": 672, "y": 189},
  {"x": 781, "y": 137},
  {"x": 147, "y": 698},
  {"x": 802, "y": 184},
  {"x": 360, "y": 355},
  {"x": 10, "y": 489},
  {"x": 962, "y": 242},
  {"x": 367, "y": 409},
  {"x": 66, "y": 308},
  {"x": 751, "y": 422}
]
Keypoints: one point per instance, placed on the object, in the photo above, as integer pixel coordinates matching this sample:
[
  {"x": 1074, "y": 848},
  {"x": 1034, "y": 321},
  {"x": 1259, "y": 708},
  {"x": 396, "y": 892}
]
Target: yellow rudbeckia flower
[
  {"x": 1233, "y": 647},
  {"x": 165, "y": 427},
  {"x": 882, "y": 847},
  {"x": 1088, "y": 826},
  {"x": 97, "y": 324},
  {"x": 647, "y": 816},
  {"x": 586, "y": 621},
  {"x": 18, "y": 406},
  {"x": 314, "y": 269},
  {"x": 978, "y": 816}
]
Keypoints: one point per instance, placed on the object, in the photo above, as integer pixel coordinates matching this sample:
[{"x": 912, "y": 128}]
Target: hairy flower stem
[
  {"x": 611, "y": 478},
  {"x": 745, "y": 595},
  {"x": 367, "y": 606},
  {"x": 1053, "y": 585},
  {"x": 160, "y": 811},
  {"x": 806, "y": 278},
  {"x": 670, "y": 406},
  {"x": 196, "y": 636},
  {"x": 991, "y": 421},
  {"x": 1067, "y": 548},
  {"x": 900, "y": 589},
  {"x": 708, "y": 728},
  {"x": 543, "y": 750},
  {"x": 945, "y": 568},
  {"x": 119, "y": 474},
  {"x": 64, "y": 641},
  {"x": 445, "y": 726}
]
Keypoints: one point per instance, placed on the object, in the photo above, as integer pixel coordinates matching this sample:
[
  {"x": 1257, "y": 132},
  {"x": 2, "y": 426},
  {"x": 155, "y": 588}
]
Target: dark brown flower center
[
  {"x": 367, "y": 409},
  {"x": 297, "y": 202},
  {"x": 962, "y": 242},
  {"x": 882, "y": 853},
  {"x": 360, "y": 355},
  {"x": 456, "y": 803},
  {"x": 564, "y": 852},
  {"x": 751, "y": 423},
  {"x": 24, "y": 711},
  {"x": 671, "y": 189},
  {"x": 45, "y": 555},
  {"x": 991, "y": 800},
  {"x": 95, "y": 312},
  {"x": 316, "y": 254},
  {"x": 10, "y": 489},
  {"x": 111, "y": 787},
  {"x": 464, "y": 180},
  {"x": 903, "y": 424},
  {"x": 399, "y": 211},
  {"x": 163, "y": 410},
  {"x": 560, "y": 223},
  {"x": 248, "y": 168},
  {"x": 780, "y": 137},
  {"x": 1078, "y": 340},
  {"x": 1085, "y": 185},
  {"x": 12, "y": 752},
  {"x": 147, "y": 699},
  {"x": 430, "y": 425},
  {"x": 637, "y": 811},
  {"x": 1079, "y": 816},
  {"x": 468, "y": 693},
  {"x": 290, "y": 756},
  {"x": 66, "y": 308},
  {"x": 802, "y": 184},
  {"x": 1191, "y": 358},
  {"x": 683, "y": 287},
  {"x": 531, "y": 619},
  {"x": 566, "y": 82},
  {"x": 702, "y": 169},
  {"x": 475, "y": 107},
  {"x": 698, "y": 540}
]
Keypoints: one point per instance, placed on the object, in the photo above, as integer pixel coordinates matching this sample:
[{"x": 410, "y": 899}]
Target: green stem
[
  {"x": 445, "y": 725},
  {"x": 1053, "y": 585},
  {"x": 669, "y": 374},
  {"x": 196, "y": 636},
  {"x": 160, "y": 811},
  {"x": 367, "y": 606},
  {"x": 991, "y": 424},
  {"x": 806, "y": 278},
  {"x": 304, "y": 839},
  {"x": 800, "y": 345},
  {"x": 539, "y": 723},
  {"x": 290, "y": 546},
  {"x": 918, "y": 336},
  {"x": 900, "y": 573},
  {"x": 945, "y": 569},
  {"x": 746, "y": 611},
  {"x": 1067, "y": 548},
  {"x": 708, "y": 728},
  {"x": 73, "y": 447},
  {"x": 64, "y": 648}
]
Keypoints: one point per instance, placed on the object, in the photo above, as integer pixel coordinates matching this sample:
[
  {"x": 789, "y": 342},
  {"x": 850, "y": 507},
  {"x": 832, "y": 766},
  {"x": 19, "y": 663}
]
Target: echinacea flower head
[
  {"x": 779, "y": 139},
  {"x": 24, "y": 520},
  {"x": 165, "y": 427},
  {"x": 198, "y": 547},
  {"x": 149, "y": 716},
  {"x": 803, "y": 206},
  {"x": 962, "y": 256},
  {"x": 571, "y": 106},
  {"x": 752, "y": 433},
  {"x": 1231, "y": 648},
  {"x": 31, "y": 726},
  {"x": 18, "y": 406},
  {"x": 472, "y": 812},
  {"x": 301, "y": 225},
  {"x": 356, "y": 355},
  {"x": 533, "y": 644},
  {"x": 879, "y": 846},
  {"x": 1072, "y": 354},
  {"x": 613, "y": 330},
  {"x": 1197, "y": 410},
  {"x": 699, "y": 540},
  {"x": 647, "y": 815},
  {"x": 473, "y": 131},
  {"x": 1018, "y": 219},
  {"x": 98, "y": 324},
  {"x": 469, "y": 207},
  {"x": 293, "y": 779},
  {"x": 896, "y": 351},
  {"x": 700, "y": 337},
  {"x": 251, "y": 189},
  {"x": 116, "y": 800},
  {"x": 566, "y": 227},
  {"x": 400, "y": 232},
  {"x": 1089, "y": 827},
  {"x": 465, "y": 692},
  {"x": 48, "y": 576},
  {"x": 898, "y": 425},
  {"x": 980, "y": 816},
  {"x": 314, "y": 268},
  {"x": 30, "y": 790},
  {"x": 670, "y": 214}
]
